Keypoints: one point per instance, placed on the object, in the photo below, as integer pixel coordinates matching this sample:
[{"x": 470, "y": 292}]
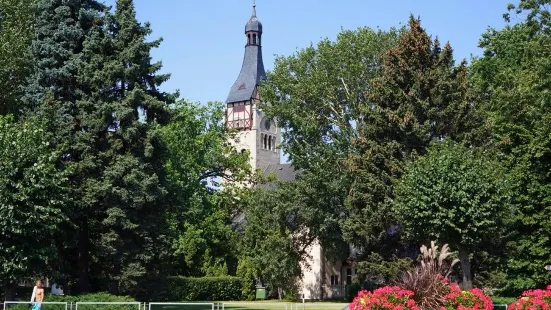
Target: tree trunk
[
  {"x": 465, "y": 269},
  {"x": 83, "y": 258}
]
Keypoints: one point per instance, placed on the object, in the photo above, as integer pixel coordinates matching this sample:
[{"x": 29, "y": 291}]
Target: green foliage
[
  {"x": 31, "y": 199},
  {"x": 16, "y": 29},
  {"x": 204, "y": 289},
  {"x": 96, "y": 88},
  {"x": 420, "y": 96},
  {"x": 199, "y": 156},
  {"x": 275, "y": 239},
  {"x": 453, "y": 194},
  {"x": 249, "y": 274},
  {"x": 512, "y": 79},
  {"x": 377, "y": 270},
  {"x": 318, "y": 95}
]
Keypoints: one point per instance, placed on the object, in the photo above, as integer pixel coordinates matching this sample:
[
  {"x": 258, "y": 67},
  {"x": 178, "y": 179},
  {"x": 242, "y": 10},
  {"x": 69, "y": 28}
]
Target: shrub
[
  {"x": 467, "y": 300},
  {"x": 533, "y": 300},
  {"x": 352, "y": 291},
  {"x": 204, "y": 289},
  {"x": 384, "y": 298},
  {"x": 428, "y": 281}
]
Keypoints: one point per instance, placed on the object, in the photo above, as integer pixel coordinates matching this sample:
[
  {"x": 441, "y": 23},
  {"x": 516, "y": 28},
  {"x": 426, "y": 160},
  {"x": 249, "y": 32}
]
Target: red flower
[{"x": 384, "y": 298}]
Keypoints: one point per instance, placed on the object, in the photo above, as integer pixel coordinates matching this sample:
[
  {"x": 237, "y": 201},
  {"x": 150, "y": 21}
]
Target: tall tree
[
  {"x": 512, "y": 79},
  {"x": 105, "y": 106},
  {"x": 318, "y": 98},
  {"x": 54, "y": 92},
  {"x": 453, "y": 194},
  {"x": 199, "y": 157},
  {"x": 17, "y": 21},
  {"x": 420, "y": 96},
  {"x": 31, "y": 201}
]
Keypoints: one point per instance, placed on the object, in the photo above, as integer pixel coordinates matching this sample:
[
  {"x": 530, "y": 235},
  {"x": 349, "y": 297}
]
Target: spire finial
[{"x": 254, "y": 8}]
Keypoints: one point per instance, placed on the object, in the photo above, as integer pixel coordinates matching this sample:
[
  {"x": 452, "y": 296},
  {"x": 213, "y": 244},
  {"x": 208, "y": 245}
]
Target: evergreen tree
[
  {"x": 420, "y": 96},
  {"x": 54, "y": 92},
  {"x": 129, "y": 188},
  {"x": 105, "y": 106}
]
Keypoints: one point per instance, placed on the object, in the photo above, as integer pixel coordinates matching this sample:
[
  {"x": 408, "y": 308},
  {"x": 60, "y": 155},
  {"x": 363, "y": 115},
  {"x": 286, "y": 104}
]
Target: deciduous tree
[
  {"x": 513, "y": 81},
  {"x": 453, "y": 194},
  {"x": 32, "y": 197}
]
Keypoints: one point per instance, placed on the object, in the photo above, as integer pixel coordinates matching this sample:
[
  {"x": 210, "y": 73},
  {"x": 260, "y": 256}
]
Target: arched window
[
  {"x": 254, "y": 39},
  {"x": 248, "y": 39},
  {"x": 269, "y": 142},
  {"x": 261, "y": 140},
  {"x": 265, "y": 142}
]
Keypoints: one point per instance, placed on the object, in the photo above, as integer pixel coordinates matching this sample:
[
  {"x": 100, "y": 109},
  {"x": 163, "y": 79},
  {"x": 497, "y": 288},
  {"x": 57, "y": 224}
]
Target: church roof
[
  {"x": 252, "y": 69},
  {"x": 283, "y": 172}
]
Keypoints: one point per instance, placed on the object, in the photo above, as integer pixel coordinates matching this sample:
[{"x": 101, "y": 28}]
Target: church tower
[{"x": 256, "y": 133}]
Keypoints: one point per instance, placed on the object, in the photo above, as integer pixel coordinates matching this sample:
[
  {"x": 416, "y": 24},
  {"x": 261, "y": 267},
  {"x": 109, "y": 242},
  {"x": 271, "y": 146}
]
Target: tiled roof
[{"x": 252, "y": 70}]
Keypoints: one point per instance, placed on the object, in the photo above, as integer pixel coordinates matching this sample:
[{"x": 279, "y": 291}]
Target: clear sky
[{"x": 204, "y": 39}]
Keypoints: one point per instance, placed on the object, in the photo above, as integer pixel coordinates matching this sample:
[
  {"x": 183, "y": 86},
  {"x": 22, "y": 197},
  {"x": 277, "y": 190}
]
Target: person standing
[{"x": 37, "y": 296}]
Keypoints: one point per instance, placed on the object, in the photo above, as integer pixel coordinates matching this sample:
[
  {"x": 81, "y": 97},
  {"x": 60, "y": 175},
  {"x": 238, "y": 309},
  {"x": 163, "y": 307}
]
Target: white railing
[
  {"x": 270, "y": 304},
  {"x": 135, "y": 303},
  {"x": 6, "y": 303},
  {"x": 181, "y": 304}
]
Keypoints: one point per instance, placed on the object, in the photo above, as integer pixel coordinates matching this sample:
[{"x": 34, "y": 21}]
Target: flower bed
[
  {"x": 384, "y": 298},
  {"x": 533, "y": 300},
  {"x": 467, "y": 300}
]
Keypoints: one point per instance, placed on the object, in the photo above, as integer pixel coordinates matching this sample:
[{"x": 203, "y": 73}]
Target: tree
[
  {"x": 512, "y": 80},
  {"x": 53, "y": 92},
  {"x": 16, "y": 29},
  {"x": 273, "y": 243},
  {"x": 453, "y": 194},
  {"x": 199, "y": 157},
  {"x": 419, "y": 96},
  {"x": 103, "y": 110},
  {"x": 318, "y": 99},
  {"x": 31, "y": 201}
]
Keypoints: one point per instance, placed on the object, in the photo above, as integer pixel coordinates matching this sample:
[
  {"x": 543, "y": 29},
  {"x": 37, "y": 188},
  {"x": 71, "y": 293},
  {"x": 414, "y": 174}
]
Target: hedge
[{"x": 204, "y": 289}]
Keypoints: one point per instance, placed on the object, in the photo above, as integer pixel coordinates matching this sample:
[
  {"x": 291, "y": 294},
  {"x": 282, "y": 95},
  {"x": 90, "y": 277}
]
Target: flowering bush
[
  {"x": 533, "y": 300},
  {"x": 466, "y": 300},
  {"x": 384, "y": 298}
]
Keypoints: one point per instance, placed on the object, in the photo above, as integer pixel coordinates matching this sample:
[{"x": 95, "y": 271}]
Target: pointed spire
[{"x": 252, "y": 69}]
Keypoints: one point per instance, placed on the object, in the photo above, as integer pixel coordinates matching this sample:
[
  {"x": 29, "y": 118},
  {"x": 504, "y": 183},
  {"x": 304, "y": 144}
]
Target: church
[{"x": 322, "y": 278}]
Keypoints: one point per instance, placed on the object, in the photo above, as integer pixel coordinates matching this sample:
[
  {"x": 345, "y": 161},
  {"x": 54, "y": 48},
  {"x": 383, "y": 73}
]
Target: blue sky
[{"x": 204, "y": 40}]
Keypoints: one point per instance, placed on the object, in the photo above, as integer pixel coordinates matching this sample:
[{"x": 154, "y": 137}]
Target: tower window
[
  {"x": 254, "y": 39},
  {"x": 248, "y": 39},
  {"x": 261, "y": 139}
]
